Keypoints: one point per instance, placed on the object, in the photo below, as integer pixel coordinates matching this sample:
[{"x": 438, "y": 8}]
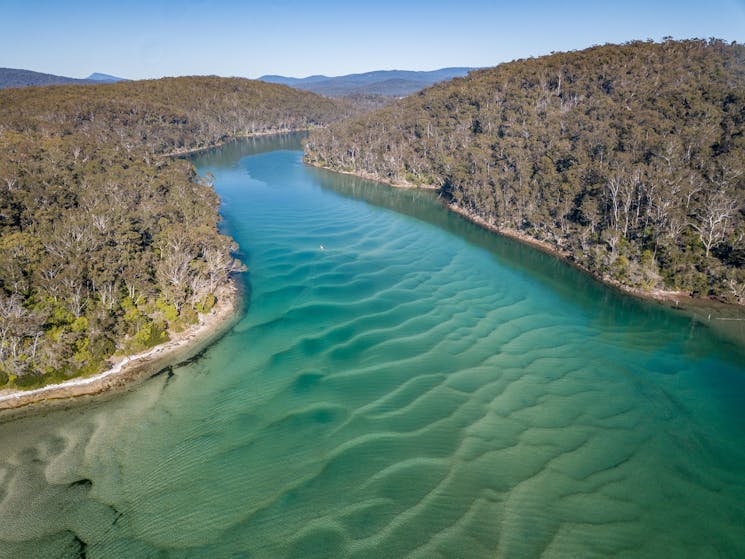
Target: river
[{"x": 401, "y": 383}]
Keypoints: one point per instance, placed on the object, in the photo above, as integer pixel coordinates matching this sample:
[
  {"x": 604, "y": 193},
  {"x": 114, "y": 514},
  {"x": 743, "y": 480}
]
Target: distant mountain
[
  {"x": 13, "y": 77},
  {"x": 294, "y": 81},
  {"x": 105, "y": 78},
  {"x": 395, "y": 83}
]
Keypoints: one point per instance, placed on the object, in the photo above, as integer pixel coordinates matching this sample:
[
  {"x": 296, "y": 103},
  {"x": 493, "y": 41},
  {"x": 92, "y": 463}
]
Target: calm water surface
[{"x": 416, "y": 388}]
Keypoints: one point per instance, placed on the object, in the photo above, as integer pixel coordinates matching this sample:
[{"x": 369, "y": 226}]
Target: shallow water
[{"x": 416, "y": 388}]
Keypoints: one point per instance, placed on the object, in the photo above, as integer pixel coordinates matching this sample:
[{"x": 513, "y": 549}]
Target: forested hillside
[
  {"x": 107, "y": 244},
  {"x": 630, "y": 158}
]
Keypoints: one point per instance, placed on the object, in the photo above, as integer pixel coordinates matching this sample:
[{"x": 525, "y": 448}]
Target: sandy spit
[{"x": 128, "y": 370}]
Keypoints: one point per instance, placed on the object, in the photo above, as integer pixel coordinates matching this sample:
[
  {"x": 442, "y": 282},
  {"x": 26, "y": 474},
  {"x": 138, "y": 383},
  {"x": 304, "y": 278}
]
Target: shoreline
[
  {"x": 657, "y": 295},
  {"x": 129, "y": 370},
  {"x": 370, "y": 177},
  {"x": 698, "y": 307},
  {"x": 705, "y": 309},
  {"x": 192, "y": 151}
]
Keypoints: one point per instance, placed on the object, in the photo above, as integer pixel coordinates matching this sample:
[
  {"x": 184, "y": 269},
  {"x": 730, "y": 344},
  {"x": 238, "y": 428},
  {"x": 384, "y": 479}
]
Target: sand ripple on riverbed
[{"x": 398, "y": 394}]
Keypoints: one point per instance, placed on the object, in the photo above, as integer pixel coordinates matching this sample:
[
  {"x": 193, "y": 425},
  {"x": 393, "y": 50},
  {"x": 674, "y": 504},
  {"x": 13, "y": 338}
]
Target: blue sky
[{"x": 154, "y": 38}]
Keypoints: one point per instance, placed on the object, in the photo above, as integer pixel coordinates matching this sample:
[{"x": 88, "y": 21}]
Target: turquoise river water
[{"x": 400, "y": 383}]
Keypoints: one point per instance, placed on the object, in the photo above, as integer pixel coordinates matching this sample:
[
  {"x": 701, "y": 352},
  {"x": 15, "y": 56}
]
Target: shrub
[{"x": 206, "y": 304}]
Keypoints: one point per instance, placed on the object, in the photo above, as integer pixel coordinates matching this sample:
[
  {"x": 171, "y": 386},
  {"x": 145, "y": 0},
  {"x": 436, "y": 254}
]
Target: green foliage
[
  {"x": 189, "y": 316},
  {"x": 79, "y": 324},
  {"x": 131, "y": 313},
  {"x": 82, "y": 354},
  {"x": 26, "y": 381},
  {"x": 647, "y": 259},
  {"x": 634, "y": 149},
  {"x": 620, "y": 269},
  {"x": 206, "y": 304},
  {"x": 150, "y": 334},
  {"x": 169, "y": 310},
  {"x": 60, "y": 315}
]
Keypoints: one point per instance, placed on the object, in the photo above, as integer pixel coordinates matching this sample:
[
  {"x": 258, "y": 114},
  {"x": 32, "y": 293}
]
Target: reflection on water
[{"x": 418, "y": 388}]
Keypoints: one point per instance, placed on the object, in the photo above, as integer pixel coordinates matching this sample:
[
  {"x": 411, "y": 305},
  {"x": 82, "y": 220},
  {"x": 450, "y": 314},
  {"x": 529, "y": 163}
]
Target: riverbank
[
  {"x": 193, "y": 151},
  {"x": 726, "y": 318},
  {"x": 127, "y": 371},
  {"x": 370, "y": 177},
  {"x": 653, "y": 294}
]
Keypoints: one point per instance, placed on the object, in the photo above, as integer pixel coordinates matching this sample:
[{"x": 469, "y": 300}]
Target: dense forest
[
  {"x": 628, "y": 158},
  {"x": 107, "y": 244}
]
